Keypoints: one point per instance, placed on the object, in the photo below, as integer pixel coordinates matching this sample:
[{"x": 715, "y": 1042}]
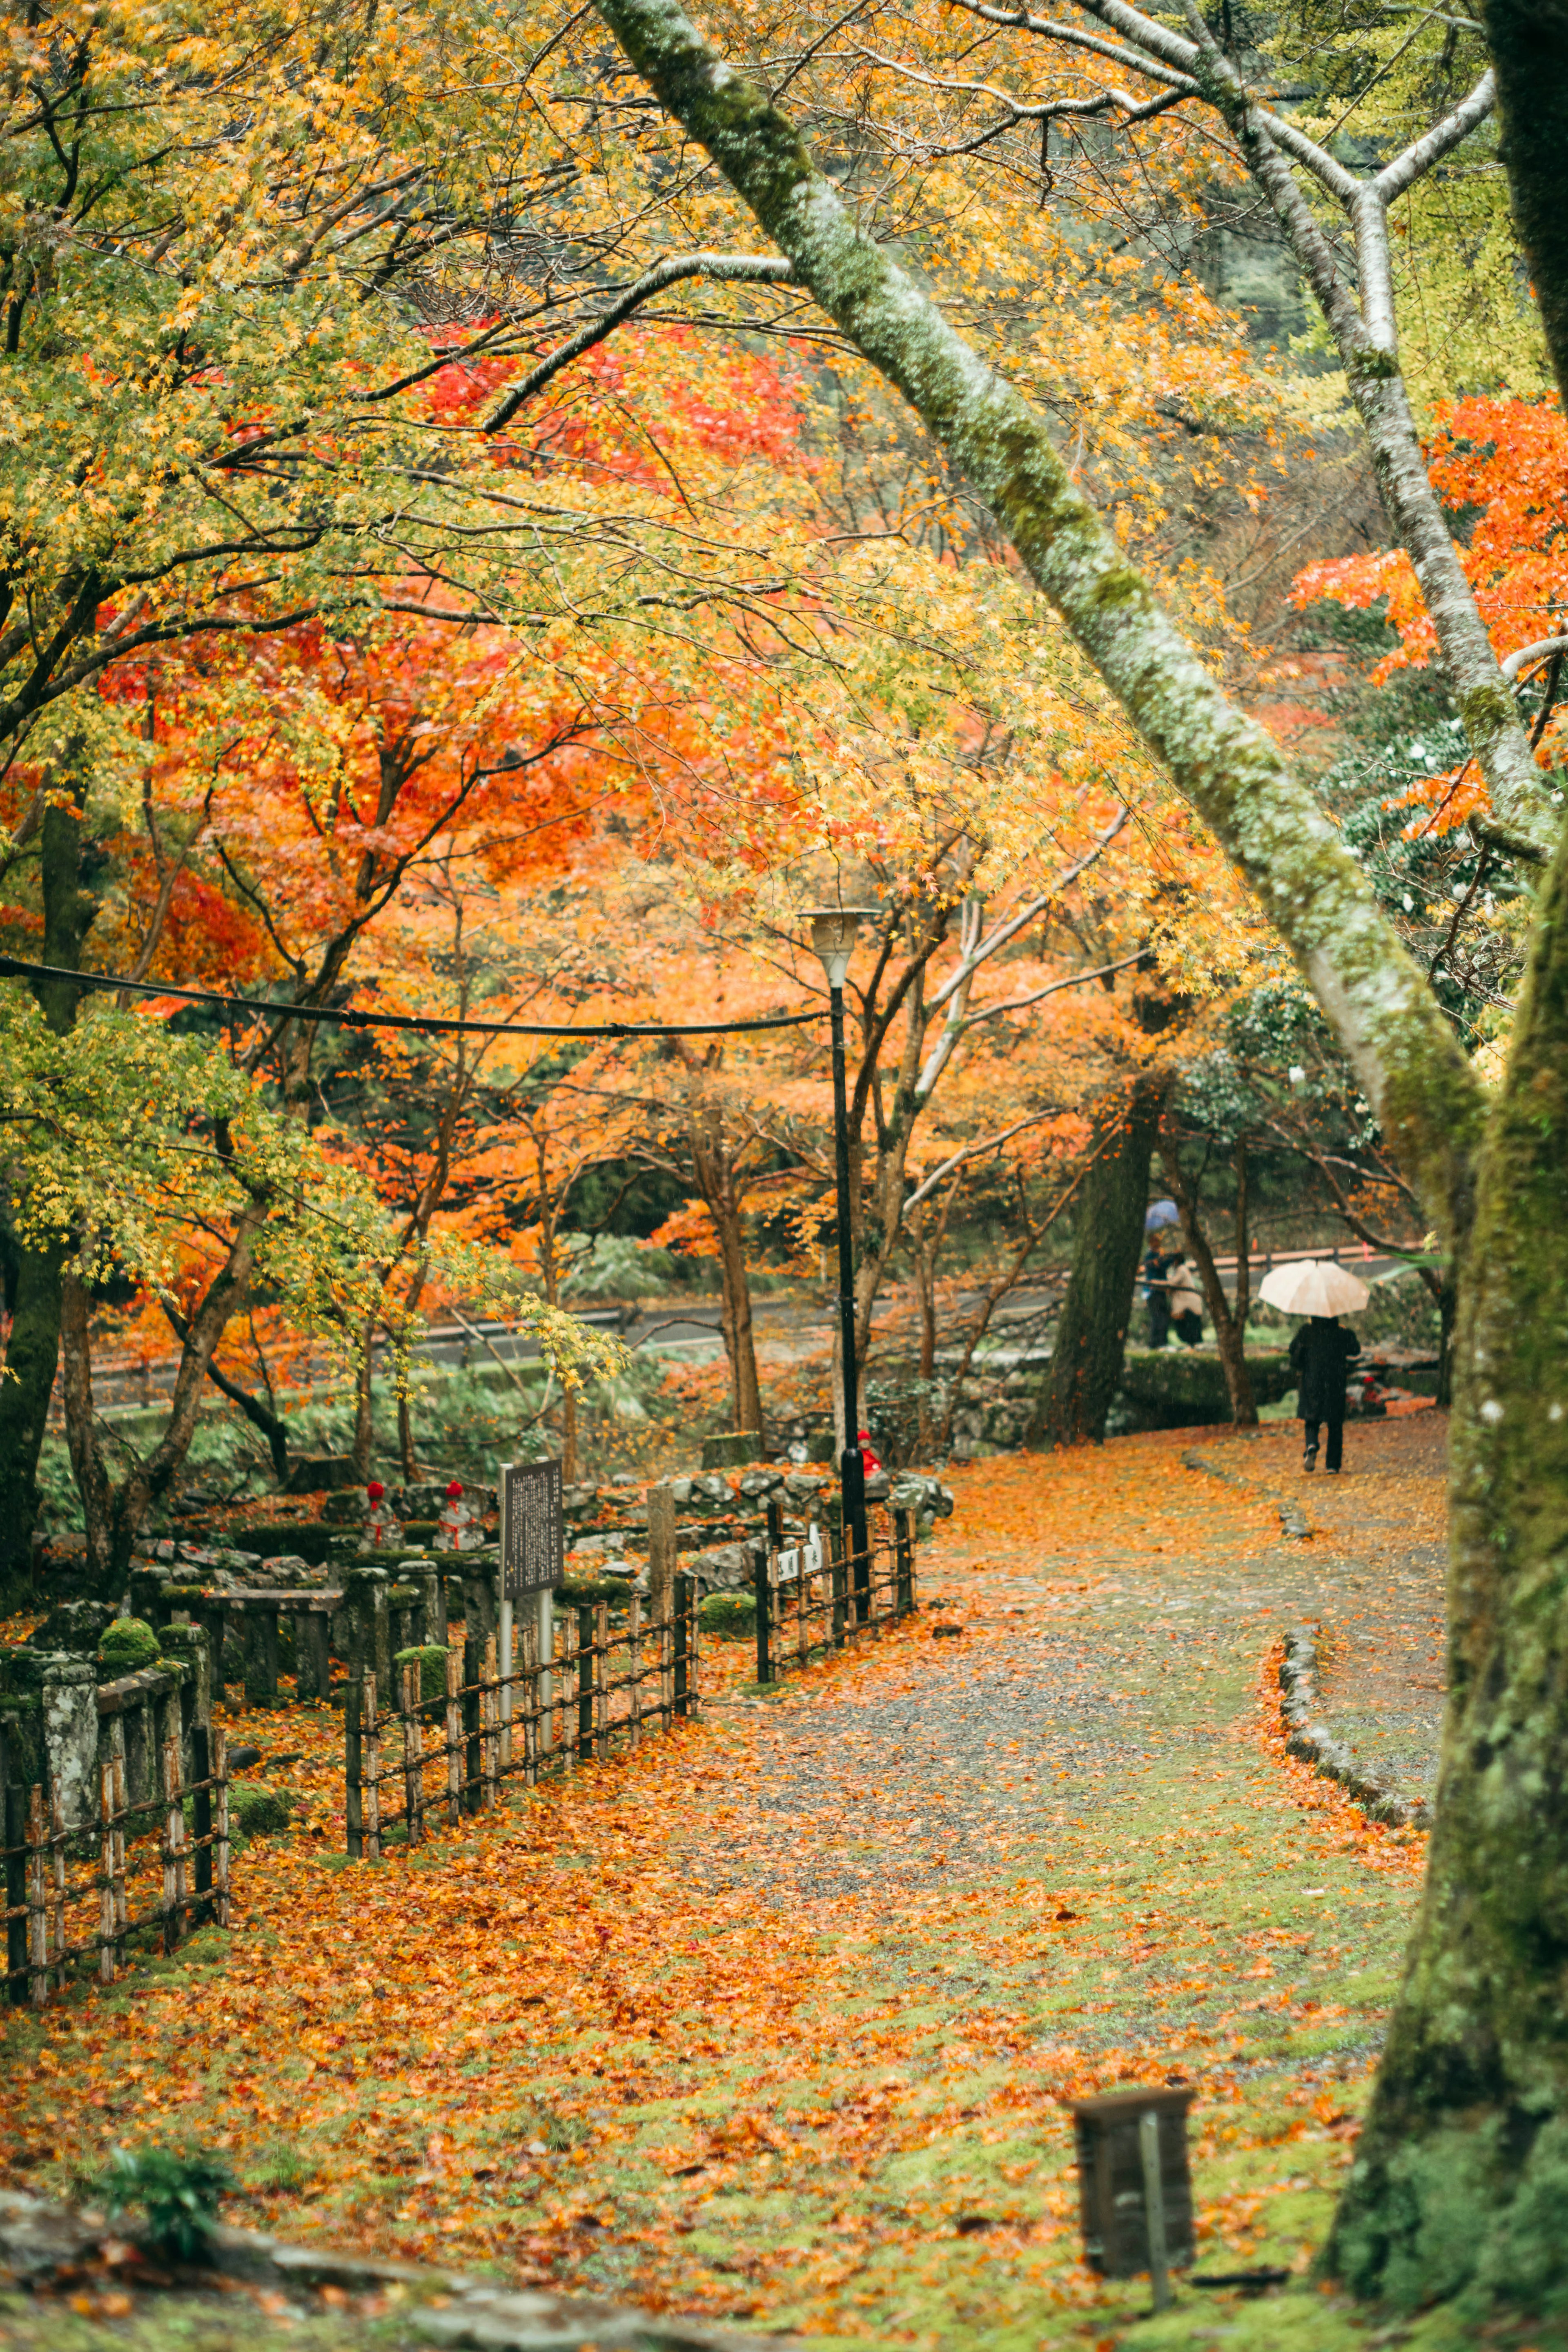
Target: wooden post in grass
[
  {"x": 173, "y": 1846},
  {"x": 220, "y": 1827},
  {"x": 489, "y": 1716},
  {"x": 202, "y": 1818},
  {"x": 602, "y": 1678},
  {"x": 633, "y": 1668},
  {"x": 37, "y": 1902},
  {"x": 473, "y": 1763},
  {"x": 838, "y": 1573},
  {"x": 663, "y": 1558},
  {"x": 454, "y": 1738},
  {"x": 681, "y": 1661},
  {"x": 586, "y": 1682},
  {"x": 372, "y": 1735},
  {"x": 353, "y": 1769},
  {"x": 16, "y": 1892},
  {"x": 904, "y": 1556},
  {"x": 528, "y": 1646},
  {"x": 121, "y": 1887},
  {"x": 57, "y": 1884},
  {"x": 106, "y": 1874},
  {"x": 761, "y": 1591},
  {"x": 413, "y": 1758}
]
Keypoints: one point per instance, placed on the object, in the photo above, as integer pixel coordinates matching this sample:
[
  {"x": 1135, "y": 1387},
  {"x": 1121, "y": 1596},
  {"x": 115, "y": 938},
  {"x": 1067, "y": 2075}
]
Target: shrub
[
  {"x": 258, "y": 1813},
  {"x": 177, "y": 2189},
  {"x": 730, "y": 1615}
]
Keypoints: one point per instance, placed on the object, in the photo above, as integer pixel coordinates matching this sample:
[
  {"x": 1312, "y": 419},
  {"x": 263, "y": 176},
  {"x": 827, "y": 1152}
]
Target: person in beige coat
[{"x": 1186, "y": 1304}]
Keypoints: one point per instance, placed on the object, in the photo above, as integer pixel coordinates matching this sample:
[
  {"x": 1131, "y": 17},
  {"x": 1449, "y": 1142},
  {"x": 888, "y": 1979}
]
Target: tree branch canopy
[{"x": 1222, "y": 762}]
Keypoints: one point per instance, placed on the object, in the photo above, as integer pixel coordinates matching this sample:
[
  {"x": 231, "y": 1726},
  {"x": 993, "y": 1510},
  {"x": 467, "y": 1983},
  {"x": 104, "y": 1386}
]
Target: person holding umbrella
[
  {"x": 1322, "y": 1350},
  {"x": 1156, "y": 1289}
]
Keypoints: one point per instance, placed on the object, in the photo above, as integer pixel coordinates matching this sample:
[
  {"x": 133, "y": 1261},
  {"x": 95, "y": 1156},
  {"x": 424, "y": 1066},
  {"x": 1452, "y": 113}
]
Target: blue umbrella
[{"x": 1161, "y": 1212}]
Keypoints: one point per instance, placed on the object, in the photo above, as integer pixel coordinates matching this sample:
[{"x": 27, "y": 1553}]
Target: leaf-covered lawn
[{"x": 774, "y": 2018}]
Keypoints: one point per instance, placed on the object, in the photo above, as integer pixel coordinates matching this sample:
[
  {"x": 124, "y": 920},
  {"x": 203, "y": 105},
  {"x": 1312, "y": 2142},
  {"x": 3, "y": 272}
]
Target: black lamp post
[{"x": 834, "y": 931}]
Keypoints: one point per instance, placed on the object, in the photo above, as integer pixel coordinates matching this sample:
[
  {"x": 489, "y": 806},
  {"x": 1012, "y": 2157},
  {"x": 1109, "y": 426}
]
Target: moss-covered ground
[{"x": 775, "y": 2019}]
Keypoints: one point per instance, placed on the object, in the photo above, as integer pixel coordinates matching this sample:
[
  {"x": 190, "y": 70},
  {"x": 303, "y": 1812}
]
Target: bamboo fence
[
  {"x": 414, "y": 1763},
  {"x": 74, "y": 1902},
  {"x": 804, "y": 1610}
]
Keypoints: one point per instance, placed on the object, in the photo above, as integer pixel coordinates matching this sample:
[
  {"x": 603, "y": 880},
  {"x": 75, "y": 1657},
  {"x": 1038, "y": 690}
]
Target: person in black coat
[{"x": 1320, "y": 1354}]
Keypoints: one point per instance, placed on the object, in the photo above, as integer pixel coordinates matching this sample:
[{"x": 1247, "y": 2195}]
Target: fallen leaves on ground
[{"x": 774, "y": 2017}]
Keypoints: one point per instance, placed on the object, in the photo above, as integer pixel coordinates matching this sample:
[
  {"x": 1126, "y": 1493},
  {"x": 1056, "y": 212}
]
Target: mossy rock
[
  {"x": 730, "y": 1615},
  {"x": 1183, "y": 1388},
  {"x": 429, "y": 1661},
  {"x": 258, "y": 1813},
  {"x": 128, "y": 1644}
]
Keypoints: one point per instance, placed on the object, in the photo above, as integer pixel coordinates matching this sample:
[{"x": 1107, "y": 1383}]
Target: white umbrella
[{"x": 1314, "y": 1286}]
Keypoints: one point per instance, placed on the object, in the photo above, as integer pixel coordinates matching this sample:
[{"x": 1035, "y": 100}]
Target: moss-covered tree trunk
[
  {"x": 32, "y": 1353},
  {"x": 1107, "y": 1245},
  {"x": 1462, "y": 2176},
  {"x": 1462, "y": 2171}
]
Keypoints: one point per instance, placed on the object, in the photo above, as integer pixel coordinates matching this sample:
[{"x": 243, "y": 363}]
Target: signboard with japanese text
[{"x": 532, "y": 1541}]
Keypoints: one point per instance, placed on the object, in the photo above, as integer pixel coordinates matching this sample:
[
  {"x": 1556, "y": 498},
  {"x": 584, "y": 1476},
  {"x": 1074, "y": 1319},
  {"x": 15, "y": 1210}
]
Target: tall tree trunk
[
  {"x": 362, "y": 1446},
  {"x": 740, "y": 1338},
  {"x": 1462, "y": 2170},
  {"x": 1107, "y": 1245},
  {"x": 1476, "y": 2076},
  {"x": 32, "y": 1352},
  {"x": 1229, "y": 1329},
  {"x": 1529, "y": 45}
]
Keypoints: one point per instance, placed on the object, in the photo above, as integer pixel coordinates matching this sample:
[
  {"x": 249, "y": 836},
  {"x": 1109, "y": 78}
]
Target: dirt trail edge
[{"x": 773, "y": 2020}]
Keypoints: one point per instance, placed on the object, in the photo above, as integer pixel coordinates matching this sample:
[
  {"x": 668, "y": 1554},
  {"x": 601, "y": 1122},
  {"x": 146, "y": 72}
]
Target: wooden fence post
[
  {"x": 106, "y": 1874},
  {"x": 904, "y": 1548},
  {"x": 202, "y": 1817},
  {"x": 678, "y": 1664},
  {"x": 372, "y": 1736},
  {"x": 121, "y": 1887},
  {"x": 57, "y": 1882},
  {"x": 565, "y": 1680},
  {"x": 16, "y": 1894},
  {"x": 602, "y": 1678},
  {"x": 634, "y": 1669},
  {"x": 220, "y": 1827},
  {"x": 37, "y": 1902},
  {"x": 663, "y": 1559},
  {"x": 173, "y": 1845},
  {"x": 454, "y": 1738},
  {"x": 353, "y": 1767},
  {"x": 490, "y": 1717},
  {"x": 838, "y": 1573},
  {"x": 528, "y": 1647},
  {"x": 413, "y": 1755},
  {"x": 473, "y": 1760},
  {"x": 585, "y": 1680},
  {"x": 762, "y": 1588}
]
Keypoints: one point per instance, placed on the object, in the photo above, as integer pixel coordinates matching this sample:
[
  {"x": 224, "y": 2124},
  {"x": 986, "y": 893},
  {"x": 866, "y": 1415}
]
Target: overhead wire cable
[{"x": 346, "y": 1017}]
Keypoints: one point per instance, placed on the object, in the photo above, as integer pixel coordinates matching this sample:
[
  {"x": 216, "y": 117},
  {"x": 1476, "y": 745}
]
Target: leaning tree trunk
[
  {"x": 1464, "y": 2167},
  {"x": 1108, "y": 1244},
  {"x": 1461, "y": 2173}
]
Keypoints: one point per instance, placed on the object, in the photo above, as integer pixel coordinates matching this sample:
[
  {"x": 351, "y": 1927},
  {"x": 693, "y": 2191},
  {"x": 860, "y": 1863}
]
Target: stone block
[{"x": 71, "y": 1738}]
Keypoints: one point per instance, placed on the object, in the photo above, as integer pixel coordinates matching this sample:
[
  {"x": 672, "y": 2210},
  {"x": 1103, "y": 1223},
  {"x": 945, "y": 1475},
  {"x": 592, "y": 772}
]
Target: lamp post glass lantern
[{"x": 834, "y": 931}]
